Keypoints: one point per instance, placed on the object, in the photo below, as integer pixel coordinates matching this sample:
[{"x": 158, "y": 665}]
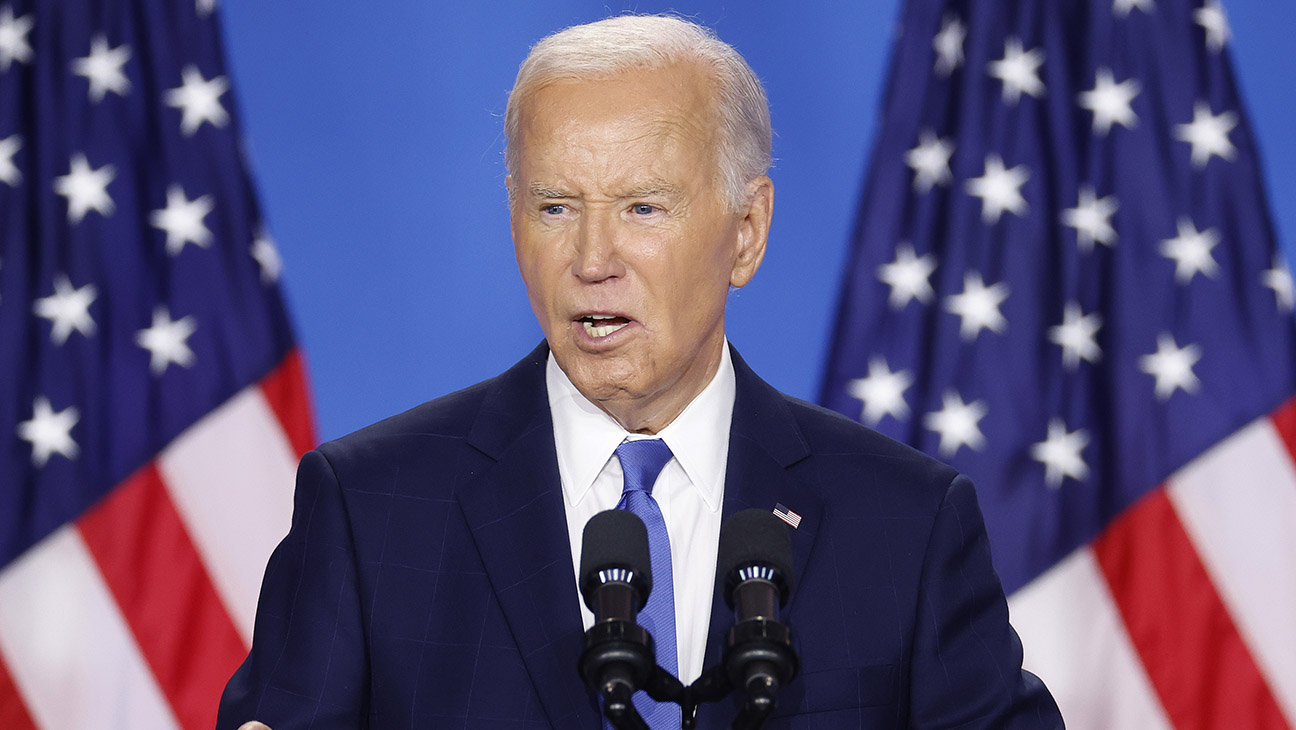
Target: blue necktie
[{"x": 642, "y": 461}]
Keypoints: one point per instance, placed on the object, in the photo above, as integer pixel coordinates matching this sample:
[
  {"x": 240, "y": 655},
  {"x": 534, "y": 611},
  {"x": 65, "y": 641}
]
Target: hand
[{"x": 254, "y": 725}]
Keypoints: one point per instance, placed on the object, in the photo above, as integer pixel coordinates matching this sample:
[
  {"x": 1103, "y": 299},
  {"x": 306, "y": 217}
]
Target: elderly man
[{"x": 429, "y": 578}]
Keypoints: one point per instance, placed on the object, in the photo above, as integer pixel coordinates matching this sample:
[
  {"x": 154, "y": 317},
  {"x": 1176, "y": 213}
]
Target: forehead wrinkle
[
  {"x": 617, "y": 156},
  {"x": 666, "y": 129},
  {"x": 662, "y": 129},
  {"x": 646, "y": 172}
]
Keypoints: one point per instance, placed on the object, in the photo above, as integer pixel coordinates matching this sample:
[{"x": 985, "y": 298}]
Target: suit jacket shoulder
[
  {"x": 479, "y": 415},
  {"x": 454, "y": 414},
  {"x": 830, "y": 434},
  {"x": 838, "y": 459}
]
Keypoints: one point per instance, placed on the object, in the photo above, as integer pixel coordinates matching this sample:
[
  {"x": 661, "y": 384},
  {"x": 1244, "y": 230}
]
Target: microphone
[
  {"x": 616, "y": 578},
  {"x": 616, "y": 570},
  {"x": 755, "y": 563},
  {"x": 755, "y": 558}
]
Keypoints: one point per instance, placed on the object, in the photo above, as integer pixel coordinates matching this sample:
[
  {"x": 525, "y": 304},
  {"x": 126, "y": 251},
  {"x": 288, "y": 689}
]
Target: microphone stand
[
  {"x": 759, "y": 659},
  {"x": 617, "y": 660},
  {"x": 712, "y": 686},
  {"x": 620, "y": 711}
]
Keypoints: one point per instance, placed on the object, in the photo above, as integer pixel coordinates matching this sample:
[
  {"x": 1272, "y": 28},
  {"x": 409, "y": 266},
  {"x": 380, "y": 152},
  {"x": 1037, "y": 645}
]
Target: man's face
[{"x": 623, "y": 239}]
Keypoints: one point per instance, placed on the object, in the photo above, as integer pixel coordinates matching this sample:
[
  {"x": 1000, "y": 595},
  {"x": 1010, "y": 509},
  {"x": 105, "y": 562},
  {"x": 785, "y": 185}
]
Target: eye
[
  {"x": 643, "y": 209},
  {"x": 554, "y": 209}
]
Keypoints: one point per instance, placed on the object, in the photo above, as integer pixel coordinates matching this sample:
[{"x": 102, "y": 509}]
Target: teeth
[
  {"x": 604, "y": 330},
  {"x": 602, "y": 316}
]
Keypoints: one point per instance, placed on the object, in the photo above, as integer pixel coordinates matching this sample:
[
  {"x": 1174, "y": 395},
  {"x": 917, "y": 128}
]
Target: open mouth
[{"x": 602, "y": 325}]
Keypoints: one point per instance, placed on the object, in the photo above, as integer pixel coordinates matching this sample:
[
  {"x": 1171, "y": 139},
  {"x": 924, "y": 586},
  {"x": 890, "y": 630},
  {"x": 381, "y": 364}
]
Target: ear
[{"x": 753, "y": 231}]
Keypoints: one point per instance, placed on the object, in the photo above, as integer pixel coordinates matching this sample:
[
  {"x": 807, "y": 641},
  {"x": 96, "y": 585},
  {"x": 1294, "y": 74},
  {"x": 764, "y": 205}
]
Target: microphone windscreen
[
  {"x": 754, "y": 536},
  {"x": 616, "y": 538}
]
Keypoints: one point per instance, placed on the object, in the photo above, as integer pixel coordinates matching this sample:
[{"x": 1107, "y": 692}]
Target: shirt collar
[{"x": 585, "y": 437}]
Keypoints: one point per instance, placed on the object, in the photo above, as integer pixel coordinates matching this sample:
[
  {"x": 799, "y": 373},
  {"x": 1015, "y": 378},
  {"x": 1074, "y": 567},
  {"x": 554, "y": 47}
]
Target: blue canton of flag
[
  {"x": 151, "y": 399},
  {"x": 1064, "y": 282}
]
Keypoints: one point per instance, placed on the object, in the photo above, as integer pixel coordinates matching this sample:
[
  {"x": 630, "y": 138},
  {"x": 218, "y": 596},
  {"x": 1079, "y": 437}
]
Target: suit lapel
[
  {"x": 764, "y": 443},
  {"x": 514, "y": 507}
]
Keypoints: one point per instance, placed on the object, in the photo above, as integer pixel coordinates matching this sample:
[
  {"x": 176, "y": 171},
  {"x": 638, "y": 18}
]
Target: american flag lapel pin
[{"x": 787, "y": 515}]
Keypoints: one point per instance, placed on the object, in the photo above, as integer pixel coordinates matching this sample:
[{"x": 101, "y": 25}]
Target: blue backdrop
[{"x": 375, "y": 136}]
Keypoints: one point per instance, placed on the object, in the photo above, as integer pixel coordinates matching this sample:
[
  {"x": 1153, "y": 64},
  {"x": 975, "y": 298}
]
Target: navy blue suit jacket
[{"x": 427, "y": 578}]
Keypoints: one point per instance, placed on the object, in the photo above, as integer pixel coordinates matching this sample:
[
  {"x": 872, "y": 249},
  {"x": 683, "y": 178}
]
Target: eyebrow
[
  {"x": 644, "y": 190},
  {"x": 650, "y": 189},
  {"x": 547, "y": 193}
]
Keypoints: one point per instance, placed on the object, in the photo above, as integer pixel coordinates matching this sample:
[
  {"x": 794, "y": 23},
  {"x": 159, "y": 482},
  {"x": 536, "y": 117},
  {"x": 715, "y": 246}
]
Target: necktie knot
[{"x": 641, "y": 462}]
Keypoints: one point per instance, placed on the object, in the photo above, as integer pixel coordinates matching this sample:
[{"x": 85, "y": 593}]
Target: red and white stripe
[
  {"x": 136, "y": 615},
  {"x": 1182, "y": 613}
]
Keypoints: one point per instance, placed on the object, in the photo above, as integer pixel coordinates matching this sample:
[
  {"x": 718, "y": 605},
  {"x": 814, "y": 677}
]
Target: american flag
[
  {"x": 152, "y": 403},
  {"x": 1065, "y": 282},
  {"x": 783, "y": 513}
]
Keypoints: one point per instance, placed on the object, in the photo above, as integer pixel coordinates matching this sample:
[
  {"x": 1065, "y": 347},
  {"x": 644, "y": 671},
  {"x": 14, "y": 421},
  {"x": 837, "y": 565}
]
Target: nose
[{"x": 597, "y": 257}]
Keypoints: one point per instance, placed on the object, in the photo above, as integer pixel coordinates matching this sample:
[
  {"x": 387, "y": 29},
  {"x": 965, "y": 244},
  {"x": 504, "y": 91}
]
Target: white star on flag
[
  {"x": 49, "y": 432},
  {"x": 166, "y": 341},
  {"x": 1208, "y": 134},
  {"x": 978, "y": 305},
  {"x": 267, "y": 257},
  {"x": 1191, "y": 251},
  {"x": 86, "y": 189},
  {"x": 999, "y": 189},
  {"x": 1279, "y": 278},
  {"x": 882, "y": 392},
  {"x": 930, "y": 161},
  {"x": 948, "y": 44},
  {"x": 9, "y": 173},
  {"x": 204, "y": 7},
  {"x": 103, "y": 68},
  {"x": 1019, "y": 71},
  {"x": 1076, "y": 336},
  {"x": 1092, "y": 219},
  {"x": 1060, "y": 454},
  {"x": 13, "y": 38},
  {"x": 1110, "y": 102},
  {"x": 1172, "y": 366},
  {"x": 956, "y": 423},
  {"x": 908, "y": 277},
  {"x": 67, "y": 309},
  {"x": 198, "y": 100},
  {"x": 1211, "y": 17},
  {"x": 182, "y": 219},
  {"x": 1122, "y": 8}
]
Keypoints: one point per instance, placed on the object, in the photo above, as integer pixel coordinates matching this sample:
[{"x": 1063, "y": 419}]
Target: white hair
[{"x": 608, "y": 47}]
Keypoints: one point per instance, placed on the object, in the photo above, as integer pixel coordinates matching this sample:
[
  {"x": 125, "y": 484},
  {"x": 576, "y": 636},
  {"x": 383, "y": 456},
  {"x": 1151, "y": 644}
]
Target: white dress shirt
[{"x": 689, "y": 490}]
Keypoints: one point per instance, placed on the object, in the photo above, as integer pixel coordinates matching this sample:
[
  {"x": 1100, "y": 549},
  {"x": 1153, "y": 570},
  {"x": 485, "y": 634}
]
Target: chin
[
  {"x": 601, "y": 379},
  {"x": 603, "y": 386}
]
